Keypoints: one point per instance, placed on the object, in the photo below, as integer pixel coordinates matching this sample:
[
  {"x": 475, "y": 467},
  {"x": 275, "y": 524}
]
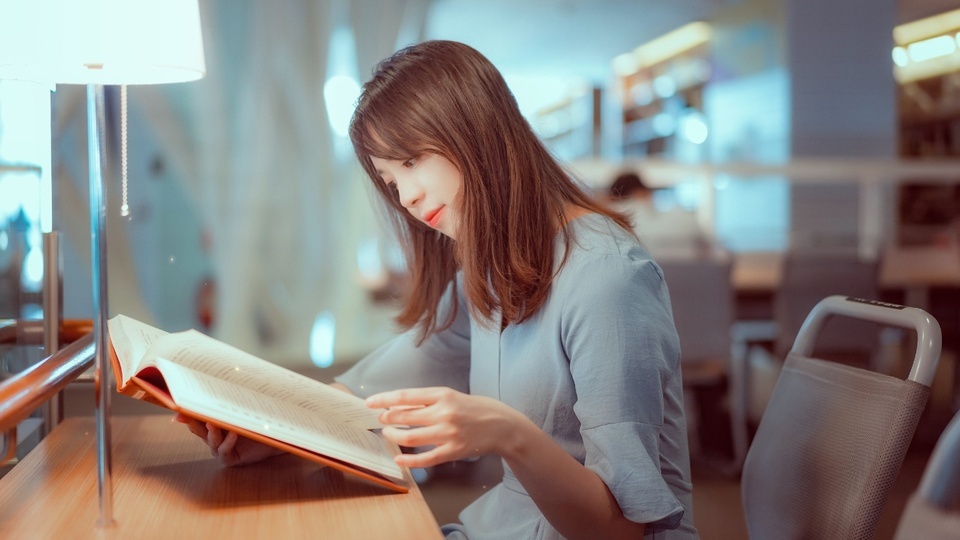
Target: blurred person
[
  {"x": 666, "y": 233},
  {"x": 537, "y": 328},
  {"x": 629, "y": 185}
]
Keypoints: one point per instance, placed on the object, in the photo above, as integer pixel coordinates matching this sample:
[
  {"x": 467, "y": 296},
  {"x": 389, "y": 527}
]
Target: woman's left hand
[{"x": 458, "y": 425}]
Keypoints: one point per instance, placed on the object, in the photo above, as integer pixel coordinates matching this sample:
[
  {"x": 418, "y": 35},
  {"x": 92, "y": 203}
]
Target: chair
[
  {"x": 833, "y": 437},
  {"x": 702, "y": 299},
  {"x": 933, "y": 512},
  {"x": 811, "y": 275}
]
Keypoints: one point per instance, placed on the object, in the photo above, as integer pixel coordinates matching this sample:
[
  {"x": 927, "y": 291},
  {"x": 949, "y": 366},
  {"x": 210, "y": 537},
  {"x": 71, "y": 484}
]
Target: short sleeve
[
  {"x": 619, "y": 336},
  {"x": 443, "y": 359}
]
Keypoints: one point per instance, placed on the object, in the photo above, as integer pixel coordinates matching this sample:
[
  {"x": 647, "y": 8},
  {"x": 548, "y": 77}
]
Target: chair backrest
[
  {"x": 932, "y": 512},
  {"x": 833, "y": 437},
  {"x": 808, "y": 277},
  {"x": 702, "y": 300}
]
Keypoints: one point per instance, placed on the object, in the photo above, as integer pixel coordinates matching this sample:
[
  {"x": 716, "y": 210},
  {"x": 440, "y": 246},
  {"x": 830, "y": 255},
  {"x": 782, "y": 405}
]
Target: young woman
[{"x": 538, "y": 328}]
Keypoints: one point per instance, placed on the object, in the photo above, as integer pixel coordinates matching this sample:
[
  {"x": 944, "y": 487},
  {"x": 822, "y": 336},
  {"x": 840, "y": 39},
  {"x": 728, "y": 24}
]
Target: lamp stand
[{"x": 98, "y": 259}]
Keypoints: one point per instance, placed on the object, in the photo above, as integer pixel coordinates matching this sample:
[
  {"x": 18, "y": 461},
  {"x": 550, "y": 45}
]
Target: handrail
[
  {"x": 30, "y": 332},
  {"x": 23, "y": 393},
  {"x": 929, "y": 339}
]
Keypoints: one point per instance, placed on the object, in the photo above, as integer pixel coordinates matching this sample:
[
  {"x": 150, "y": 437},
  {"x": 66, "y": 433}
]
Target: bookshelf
[
  {"x": 929, "y": 128},
  {"x": 660, "y": 88},
  {"x": 655, "y": 100},
  {"x": 571, "y": 128}
]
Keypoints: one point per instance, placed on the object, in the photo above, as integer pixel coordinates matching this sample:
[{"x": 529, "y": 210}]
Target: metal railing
[{"x": 28, "y": 390}]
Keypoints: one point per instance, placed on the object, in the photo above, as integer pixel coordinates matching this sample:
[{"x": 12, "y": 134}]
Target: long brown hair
[{"x": 445, "y": 98}]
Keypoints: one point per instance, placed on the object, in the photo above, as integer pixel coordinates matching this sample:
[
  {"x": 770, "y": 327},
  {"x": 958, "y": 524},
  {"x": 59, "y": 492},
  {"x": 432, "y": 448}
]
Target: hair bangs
[{"x": 388, "y": 134}]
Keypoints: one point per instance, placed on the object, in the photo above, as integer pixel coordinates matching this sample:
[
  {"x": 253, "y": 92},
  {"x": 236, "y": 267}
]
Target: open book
[{"x": 206, "y": 379}]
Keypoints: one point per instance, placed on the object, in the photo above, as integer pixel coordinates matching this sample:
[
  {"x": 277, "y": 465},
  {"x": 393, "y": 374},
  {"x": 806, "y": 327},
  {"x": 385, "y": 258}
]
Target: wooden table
[
  {"x": 757, "y": 272},
  {"x": 166, "y": 485},
  {"x": 755, "y": 278},
  {"x": 916, "y": 269}
]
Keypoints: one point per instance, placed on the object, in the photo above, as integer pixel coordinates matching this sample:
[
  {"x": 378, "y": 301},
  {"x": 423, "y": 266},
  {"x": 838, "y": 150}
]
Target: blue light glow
[{"x": 322, "y": 340}]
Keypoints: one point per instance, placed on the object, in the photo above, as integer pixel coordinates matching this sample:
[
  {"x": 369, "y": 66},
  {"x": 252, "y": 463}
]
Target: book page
[
  {"x": 281, "y": 420},
  {"x": 131, "y": 339},
  {"x": 216, "y": 359}
]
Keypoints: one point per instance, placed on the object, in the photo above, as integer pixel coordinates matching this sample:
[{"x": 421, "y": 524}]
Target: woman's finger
[
  {"x": 421, "y": 436},
  {"x": 403, "y": 415},
  {"x": 195, "y": 427},
  {"x": 430, "y": 458},
  {"x": 227, "y": 450},
  {"x": 407, "y": 397},
  {"x": 214, "y": 439}
]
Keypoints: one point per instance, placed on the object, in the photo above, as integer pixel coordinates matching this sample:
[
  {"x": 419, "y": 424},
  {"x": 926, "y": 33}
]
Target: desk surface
[
  {"x": 166, "y": 485},
  {"x": 757, "y": 271},
  {"x": 921, "y": 266}
]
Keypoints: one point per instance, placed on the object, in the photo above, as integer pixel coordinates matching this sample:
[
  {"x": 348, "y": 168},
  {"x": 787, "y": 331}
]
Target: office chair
[
  {"x": 702, "y": 299},
  {"x": 833, "y": 437},
  {"x": 811, "y": 275},
  {"x": 933, "y": 512}
]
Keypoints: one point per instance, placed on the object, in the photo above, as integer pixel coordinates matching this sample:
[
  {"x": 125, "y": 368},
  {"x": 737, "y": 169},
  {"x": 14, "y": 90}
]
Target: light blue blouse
[{"x": 598, "y": 368}]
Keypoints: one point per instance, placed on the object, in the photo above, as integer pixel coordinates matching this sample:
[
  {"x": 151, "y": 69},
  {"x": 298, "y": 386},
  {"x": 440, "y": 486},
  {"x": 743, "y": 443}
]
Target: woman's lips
[{"x": 433, "y": 218}]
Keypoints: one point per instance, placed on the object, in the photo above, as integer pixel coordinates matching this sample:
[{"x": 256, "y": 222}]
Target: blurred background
[
  {"x": 775, "y": 123},
  {"x": 802, "y": 143}
]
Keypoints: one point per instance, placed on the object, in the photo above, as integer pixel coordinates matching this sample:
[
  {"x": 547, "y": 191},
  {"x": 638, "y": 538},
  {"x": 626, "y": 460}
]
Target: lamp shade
[{"x": 101, "y": 41}]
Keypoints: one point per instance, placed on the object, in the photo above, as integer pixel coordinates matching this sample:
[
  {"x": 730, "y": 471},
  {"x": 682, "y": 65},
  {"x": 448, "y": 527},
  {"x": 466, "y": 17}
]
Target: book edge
[{"x": 164, "y": 399}]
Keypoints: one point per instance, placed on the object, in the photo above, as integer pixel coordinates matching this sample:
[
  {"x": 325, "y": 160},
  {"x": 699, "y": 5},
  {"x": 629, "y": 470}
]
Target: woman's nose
[{"x": 410, "y": 193}]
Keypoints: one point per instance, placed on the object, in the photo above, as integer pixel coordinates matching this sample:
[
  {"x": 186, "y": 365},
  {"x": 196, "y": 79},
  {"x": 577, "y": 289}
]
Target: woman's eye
[{"x": 410, "y": 163}]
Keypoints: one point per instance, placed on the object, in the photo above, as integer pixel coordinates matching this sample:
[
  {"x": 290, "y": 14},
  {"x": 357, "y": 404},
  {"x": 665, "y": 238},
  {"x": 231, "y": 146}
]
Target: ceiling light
[
  {"x": 931, "y": 48},
  {"x": 924, "y": 28},
  {"x": 900, "y": 56},
  {"x": 671, "y": 44}
]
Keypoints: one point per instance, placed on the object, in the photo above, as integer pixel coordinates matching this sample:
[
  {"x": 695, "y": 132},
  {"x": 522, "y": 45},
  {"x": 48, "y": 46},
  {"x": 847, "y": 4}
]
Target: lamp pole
[{"x": 98, "y": 266}]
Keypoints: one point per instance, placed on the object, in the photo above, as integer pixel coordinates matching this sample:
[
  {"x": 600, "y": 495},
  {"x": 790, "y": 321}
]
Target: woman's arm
[{"x": 573, "y": 498}]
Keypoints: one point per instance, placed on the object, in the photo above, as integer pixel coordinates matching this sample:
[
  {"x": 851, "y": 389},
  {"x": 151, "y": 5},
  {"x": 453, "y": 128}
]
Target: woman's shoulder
[
  {"x": 595, "y": 236},
  {"x": 599, "y": 250},
  {"x": 609, "y": 276}
]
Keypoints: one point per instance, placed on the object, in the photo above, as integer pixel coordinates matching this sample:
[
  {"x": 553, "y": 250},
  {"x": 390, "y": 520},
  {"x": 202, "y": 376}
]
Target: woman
[{"x": 537, "y": 329}]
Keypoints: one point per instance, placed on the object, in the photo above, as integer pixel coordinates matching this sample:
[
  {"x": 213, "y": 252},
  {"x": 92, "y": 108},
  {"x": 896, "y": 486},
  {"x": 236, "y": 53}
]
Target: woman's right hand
[{"x": 230, "y": 448}]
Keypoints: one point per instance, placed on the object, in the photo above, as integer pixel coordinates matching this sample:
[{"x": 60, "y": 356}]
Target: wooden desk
[
  {"x": 755, "y": 278},
  {"x": 935, "y": 265},
  {"x": 166, "y": 485},
  {"x": 757, "y": 272},
  {"x": 918, "y": 268}
]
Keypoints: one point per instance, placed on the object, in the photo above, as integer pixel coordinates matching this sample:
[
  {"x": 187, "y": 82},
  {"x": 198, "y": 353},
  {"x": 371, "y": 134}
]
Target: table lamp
[{"x": 97, "y": 43}]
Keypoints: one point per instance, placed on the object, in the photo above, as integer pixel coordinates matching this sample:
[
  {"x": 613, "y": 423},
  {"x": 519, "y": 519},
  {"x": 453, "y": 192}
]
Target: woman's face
[{"x": 427, "y": 186}]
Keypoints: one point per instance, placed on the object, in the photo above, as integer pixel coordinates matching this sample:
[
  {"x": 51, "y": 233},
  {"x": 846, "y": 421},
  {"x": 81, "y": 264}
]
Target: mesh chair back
[
  {"x": 833, "y": 436},
  {"x": 827, "y": 451}
]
